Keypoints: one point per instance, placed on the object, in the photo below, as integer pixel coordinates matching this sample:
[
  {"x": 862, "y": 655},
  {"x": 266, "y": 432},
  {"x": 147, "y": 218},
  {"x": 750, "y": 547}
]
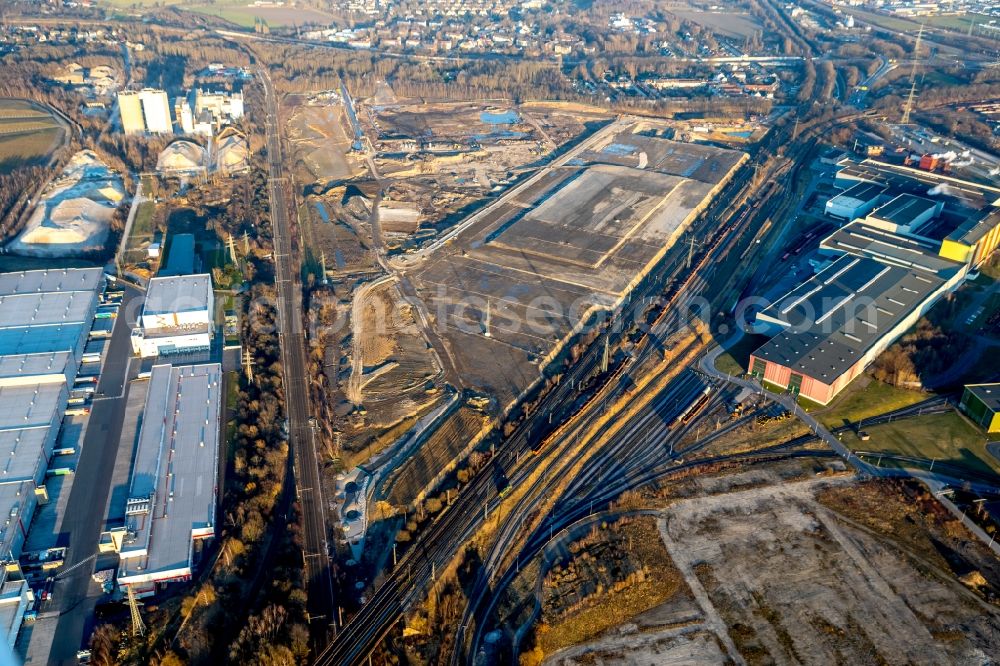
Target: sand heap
[{"x": 73, "y": 215}]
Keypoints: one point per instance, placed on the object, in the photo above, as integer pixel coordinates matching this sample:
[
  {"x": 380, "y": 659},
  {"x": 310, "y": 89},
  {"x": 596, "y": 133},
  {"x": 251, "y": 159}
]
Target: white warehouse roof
[
  {"x": 39, "y": 368},
  {"x": 172, "y": 493},
  {"x": 29, "y": 419},
  {"x": 61, "y": 279},
  {"x": 46, "y": 311},
  {"x": 181, "y": 293}
]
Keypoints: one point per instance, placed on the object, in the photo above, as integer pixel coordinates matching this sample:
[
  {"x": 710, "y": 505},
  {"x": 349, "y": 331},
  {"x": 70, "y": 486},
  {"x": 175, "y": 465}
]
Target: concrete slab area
[
  {"x": 517, "y": 281},
  {"x": 591, "y": 216}
]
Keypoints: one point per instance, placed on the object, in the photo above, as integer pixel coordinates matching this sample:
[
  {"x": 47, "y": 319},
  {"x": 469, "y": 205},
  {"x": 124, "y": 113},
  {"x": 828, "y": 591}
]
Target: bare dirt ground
[
  {"x": 316, "y": 128},
  {"x": 663, "y": 648},
  {"x": 562, "y": 122},
  {"x": 454, "y": 122},
  {"x": 394, "y": 374},
  {"x": 769, "y": 565},
  {"x": 796, "y": 582}
]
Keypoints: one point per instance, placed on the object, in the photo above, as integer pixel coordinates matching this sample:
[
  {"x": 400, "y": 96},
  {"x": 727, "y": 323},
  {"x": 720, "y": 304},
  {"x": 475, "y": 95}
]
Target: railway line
[
  {"x": 646, "y": 432},
  {"x": 642, "y": 458},
  {"x": 308, "y": 489},
  {"x": 722, "y": 227}
]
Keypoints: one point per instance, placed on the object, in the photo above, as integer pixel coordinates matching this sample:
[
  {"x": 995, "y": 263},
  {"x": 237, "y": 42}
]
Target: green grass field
[
  {"x": 885, "y": 21},
  {"x": 232, "y": 383},
  {"x": 19, "y": 108},
  {"x": 11, "y": 126},
  {"x": 946, "y": 437},
  {"x": 242, "y": 15},
  {"x": 735, "y": 24},
  {"x": 232, "y": 390},
  {"x": 952, "y": 22},
  {"x": 230, "y": 11},
  {"x": 129, "y": 4},
  {"x": 440, "y": 448},
  {"x": 939, "y": 78},
  {"x": 956, "y": 22},
  {"x": 214, "y": 257},
  {"x": 856, "y": 403},
  {"x": 233, "y": 11},
  {"x": 141, "y": 234},
  {"x": 142, "y": 226}
]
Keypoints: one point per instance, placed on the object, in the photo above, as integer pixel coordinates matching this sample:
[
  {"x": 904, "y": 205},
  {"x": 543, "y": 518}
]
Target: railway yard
[
  {"x": 595, "y": 230},
  {"x": 652, "y": 336}
]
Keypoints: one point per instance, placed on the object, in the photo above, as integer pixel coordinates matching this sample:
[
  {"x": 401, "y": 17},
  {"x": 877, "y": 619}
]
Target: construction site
[
  {"x": 337, "y": 227},
  {"x": 446, "y": 157},
  {"x": 394, "y": 372},
  {"x": 511, "y": 284},
  {"x": 414, "y": 168},
  {"x": 505, "y": 284},
  {"x": 320, "y": 142},
  {"x": 383, "y": 178}
]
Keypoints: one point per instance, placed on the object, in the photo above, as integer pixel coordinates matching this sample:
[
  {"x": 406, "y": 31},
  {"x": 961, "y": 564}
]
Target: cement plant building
[{"x": 146, "y": 110}]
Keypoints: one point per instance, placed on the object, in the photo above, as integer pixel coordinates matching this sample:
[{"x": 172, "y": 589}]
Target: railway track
[
  {"x": 316, "y": 552},
  {"x": 404, "y": 583},
  {"x": 641, "y": 468},
  {"x": 441, "y": 540}
]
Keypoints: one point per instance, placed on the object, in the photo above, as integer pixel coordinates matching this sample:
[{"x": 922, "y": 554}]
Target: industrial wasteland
[{"x": 499, "y": 332}]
